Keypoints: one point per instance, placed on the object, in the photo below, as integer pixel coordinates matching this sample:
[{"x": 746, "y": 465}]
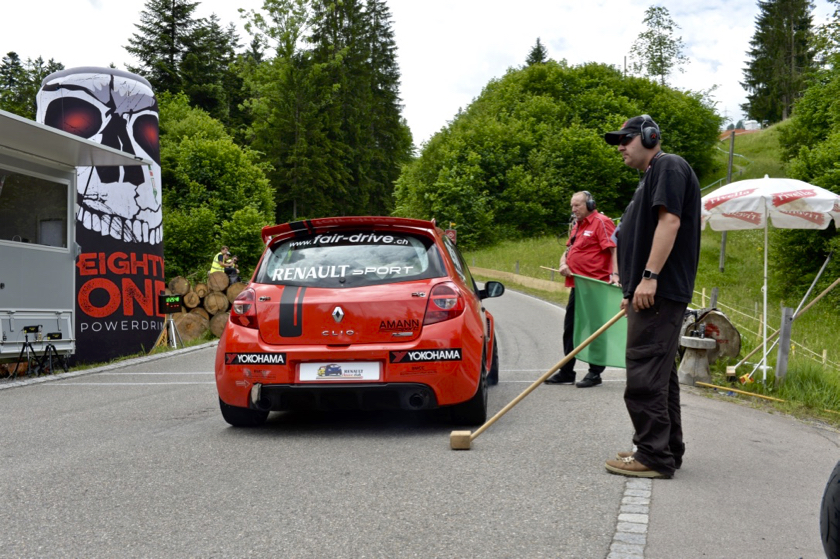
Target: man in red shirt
[{"x": 590, "y": 253}]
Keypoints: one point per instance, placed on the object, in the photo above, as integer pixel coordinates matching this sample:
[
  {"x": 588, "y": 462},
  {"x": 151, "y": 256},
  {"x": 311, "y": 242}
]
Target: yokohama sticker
[
  {"x": 255, "y": 358},
  {"x": 425, "y": 355}
]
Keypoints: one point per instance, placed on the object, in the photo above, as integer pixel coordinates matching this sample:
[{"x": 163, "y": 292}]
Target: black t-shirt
[{"x": 669, "y": 182}]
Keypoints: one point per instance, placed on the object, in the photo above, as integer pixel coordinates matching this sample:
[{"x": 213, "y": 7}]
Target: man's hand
[
  {"x": 645, "y": 292},
  {"x": 564, "y": 270}
]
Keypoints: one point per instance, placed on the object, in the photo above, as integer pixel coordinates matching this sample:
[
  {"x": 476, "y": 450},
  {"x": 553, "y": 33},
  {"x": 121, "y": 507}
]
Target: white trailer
[{"x": 38, "y": 247}]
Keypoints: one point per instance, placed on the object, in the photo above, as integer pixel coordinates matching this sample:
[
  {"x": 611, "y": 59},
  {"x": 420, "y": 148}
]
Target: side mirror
[{"x": 491, "y": 289}]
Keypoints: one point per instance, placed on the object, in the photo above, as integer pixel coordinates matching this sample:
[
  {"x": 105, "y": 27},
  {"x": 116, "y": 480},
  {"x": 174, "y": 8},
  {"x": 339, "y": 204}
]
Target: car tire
[
  {"x": 474, "y": 410},
  {"x": 242, "y": 417},
  {"x": 830, "y": 515},
  {"x": 493, "y": 375}
]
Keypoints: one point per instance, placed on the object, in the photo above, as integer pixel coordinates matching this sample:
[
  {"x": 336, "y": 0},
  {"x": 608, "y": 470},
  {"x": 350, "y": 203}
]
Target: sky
[{"x": 448, "y": 50}]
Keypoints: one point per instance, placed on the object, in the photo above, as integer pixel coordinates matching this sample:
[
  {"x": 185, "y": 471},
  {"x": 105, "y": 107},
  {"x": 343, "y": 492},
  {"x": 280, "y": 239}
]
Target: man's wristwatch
[{"x": 647, "y": 274}]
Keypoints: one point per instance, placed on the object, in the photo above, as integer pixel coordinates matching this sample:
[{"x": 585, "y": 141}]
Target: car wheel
[
  {"x": 474, "y": 410},
  {"x": 493, "y": 375},
  {"x": 830, "y": 515},
  {"x": 242, "y": 417}
]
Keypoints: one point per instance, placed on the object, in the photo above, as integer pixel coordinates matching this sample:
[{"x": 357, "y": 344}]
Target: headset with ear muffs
[
  {"x": 650, "y": 134},
  {"x": 590, "y": 201}
]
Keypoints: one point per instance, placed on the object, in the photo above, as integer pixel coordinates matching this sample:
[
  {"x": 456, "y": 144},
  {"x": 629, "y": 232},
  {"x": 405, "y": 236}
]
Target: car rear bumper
[
  {"x": 385, "y": 396},
  {"x": 402, "y": 384}
]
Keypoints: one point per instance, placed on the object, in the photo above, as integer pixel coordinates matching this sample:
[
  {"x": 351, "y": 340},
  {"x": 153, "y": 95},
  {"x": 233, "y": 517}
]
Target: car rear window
[{"x": 351, "y": 259}]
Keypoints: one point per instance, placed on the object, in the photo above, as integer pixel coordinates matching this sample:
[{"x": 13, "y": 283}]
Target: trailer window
[{"x": 32, "y": 210}]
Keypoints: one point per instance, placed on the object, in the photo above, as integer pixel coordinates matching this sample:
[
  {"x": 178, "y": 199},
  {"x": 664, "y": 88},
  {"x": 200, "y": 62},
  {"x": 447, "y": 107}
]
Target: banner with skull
[{"x": 119, "y": 272}]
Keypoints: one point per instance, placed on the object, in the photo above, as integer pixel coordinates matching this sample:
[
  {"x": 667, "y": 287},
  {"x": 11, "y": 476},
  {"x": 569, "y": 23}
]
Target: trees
[
  {"x": 656, "y": 52},
  {"x": 20, "y": 82},
  {"x": 215, "y": 191},
  {"x": 326, "y": 108},
  {"x": 781, "y": 57},
  {"x": 538, "y": 54},
  {"x": 178, "y": 52},
  {"x": 507, "y": 166},
  {"x": 207, "y": 73},
  {"x": 165, "y": 34}
]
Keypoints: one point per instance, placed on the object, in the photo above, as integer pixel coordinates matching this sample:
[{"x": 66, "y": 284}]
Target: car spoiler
[{"x": 309, "y": 226}]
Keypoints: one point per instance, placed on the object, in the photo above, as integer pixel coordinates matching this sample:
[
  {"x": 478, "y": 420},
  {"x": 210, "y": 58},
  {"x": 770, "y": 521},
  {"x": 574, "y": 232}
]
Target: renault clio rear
[{"x": 358, "y": 313}]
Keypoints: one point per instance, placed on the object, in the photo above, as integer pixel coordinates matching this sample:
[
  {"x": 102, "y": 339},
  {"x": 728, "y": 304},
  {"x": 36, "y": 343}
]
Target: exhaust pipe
[
  {"x": 417, "y": 401},
  {"x": 257, "y": 400}
]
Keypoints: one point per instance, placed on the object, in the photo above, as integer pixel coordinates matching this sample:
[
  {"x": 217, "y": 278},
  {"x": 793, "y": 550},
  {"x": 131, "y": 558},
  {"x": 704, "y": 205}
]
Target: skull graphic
[{"x": 119, "y": 110}]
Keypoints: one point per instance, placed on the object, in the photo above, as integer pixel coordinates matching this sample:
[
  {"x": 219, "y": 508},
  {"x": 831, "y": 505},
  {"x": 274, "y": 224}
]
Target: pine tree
[
  {"x": 338, "y": 47},
  {"x": 328, "y": 115},
  {"x": 165, "y": 35},
  {"x": 656, "y": 53},
  {"x": 20, "y": 83},
  {"x": 12, "y": 81},
  {"x": 207, "y": 71},
  {"x": 781, "y": 57},
  {"x": 391, "y": 141},
  {"x": 538, "y": 54}
]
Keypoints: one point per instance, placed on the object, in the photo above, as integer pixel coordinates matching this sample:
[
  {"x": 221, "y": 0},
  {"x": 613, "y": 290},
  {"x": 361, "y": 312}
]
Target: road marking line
[
  {"x": 64, "y": 384},
  {"x": 124, "y": 373}
]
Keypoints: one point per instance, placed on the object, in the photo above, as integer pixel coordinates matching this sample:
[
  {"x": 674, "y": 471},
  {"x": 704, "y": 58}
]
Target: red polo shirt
[{"x": 589, "y": 248}]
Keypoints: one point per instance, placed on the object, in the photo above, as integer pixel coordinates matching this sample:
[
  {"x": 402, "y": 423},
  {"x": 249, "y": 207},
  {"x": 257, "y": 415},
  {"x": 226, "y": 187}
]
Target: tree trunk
[
  {"x": 179, "y": 285},
  {"x": 201, "y": 311},
  {"x": 191, "y": 326},
  {"x": 201, "y": 289},
  {"x": 191, "y": 300},
  {"x": 216, "y": 302},
  {"x": 218, "y": 323},
  {"x": 234, "y": 290},
  {"x": 217, "y": 281}
]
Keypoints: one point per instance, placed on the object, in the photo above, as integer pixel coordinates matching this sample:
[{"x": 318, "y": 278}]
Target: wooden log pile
[{"x": 204, "y": 306}]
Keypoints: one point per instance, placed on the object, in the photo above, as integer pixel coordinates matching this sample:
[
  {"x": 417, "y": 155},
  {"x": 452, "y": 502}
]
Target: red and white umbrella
[{"x": 786, "y": 203}]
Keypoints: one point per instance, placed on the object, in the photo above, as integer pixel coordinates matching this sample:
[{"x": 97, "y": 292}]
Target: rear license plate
[{"x": 350, "y": 370}]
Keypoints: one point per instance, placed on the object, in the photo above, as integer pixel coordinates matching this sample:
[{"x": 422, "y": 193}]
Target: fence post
[
  {"x": 784, "y": 344},
  {"x": 517, "y": 267},
  {"x": 713, "y": 302}
]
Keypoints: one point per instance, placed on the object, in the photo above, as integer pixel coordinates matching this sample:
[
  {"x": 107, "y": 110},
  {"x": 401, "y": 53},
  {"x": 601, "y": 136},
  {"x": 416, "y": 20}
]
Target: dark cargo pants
[{"x": 652, "y": 395}]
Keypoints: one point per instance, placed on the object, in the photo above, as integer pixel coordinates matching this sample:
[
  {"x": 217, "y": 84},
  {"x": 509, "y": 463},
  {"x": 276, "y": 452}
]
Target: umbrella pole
[{"x": 764, "y": 326}]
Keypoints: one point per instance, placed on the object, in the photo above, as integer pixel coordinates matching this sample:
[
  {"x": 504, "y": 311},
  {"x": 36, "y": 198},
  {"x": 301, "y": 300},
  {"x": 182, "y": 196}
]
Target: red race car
[{"x": 364, "y": 313}]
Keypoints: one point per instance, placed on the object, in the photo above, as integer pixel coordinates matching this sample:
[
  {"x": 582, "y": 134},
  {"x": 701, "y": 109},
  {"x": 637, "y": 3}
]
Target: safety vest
[{"x": 216, "y": 266}]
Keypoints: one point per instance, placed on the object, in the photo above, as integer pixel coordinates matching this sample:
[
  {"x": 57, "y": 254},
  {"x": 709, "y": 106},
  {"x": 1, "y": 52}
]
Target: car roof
[{"x": 311, "y": 226}]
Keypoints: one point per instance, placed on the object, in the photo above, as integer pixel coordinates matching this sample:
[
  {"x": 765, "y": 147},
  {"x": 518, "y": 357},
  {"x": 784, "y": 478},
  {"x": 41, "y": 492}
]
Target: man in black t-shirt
[{"x": 658, "y": 246}]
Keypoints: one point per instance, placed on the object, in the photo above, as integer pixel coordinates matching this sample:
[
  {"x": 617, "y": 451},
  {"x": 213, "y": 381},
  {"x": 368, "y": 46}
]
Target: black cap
[{"x": 632, "y": 126}]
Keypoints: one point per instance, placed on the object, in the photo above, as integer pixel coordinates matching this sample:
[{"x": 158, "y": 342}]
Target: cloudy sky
[{"x": 448, "y": 49}]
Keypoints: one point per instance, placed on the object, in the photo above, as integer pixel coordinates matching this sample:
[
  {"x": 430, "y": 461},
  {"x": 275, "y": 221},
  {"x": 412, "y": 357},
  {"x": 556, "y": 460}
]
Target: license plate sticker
[{"x": 350, "y": 370}]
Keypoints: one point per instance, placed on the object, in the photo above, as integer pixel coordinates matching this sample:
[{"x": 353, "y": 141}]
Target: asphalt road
[{"x": 136, "y": 461}]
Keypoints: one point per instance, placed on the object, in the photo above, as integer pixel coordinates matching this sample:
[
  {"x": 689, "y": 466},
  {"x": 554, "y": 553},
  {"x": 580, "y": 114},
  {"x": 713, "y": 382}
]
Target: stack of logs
[{"x": 204, "y": 306}]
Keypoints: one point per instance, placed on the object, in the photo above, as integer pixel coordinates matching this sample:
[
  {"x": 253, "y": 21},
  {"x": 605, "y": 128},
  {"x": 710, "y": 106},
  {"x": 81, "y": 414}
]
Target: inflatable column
[{"x": 119, "y": 272}]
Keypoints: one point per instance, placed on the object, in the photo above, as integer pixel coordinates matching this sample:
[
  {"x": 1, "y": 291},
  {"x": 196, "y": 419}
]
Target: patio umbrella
[{"x": 786, "y": 203}]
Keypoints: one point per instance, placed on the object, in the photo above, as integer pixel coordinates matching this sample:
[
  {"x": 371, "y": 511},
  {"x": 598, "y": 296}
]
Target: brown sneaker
[
  {"x": 631, "y": 468},
  {"x": 630, "y": 453}
]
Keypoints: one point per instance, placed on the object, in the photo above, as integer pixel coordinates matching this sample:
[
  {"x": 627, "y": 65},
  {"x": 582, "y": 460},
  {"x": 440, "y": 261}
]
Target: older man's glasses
[{"x": 627, "y": 139}]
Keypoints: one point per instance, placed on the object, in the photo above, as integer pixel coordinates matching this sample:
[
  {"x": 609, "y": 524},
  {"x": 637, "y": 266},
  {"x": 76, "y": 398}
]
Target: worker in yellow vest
[{"x": 220, "y": 261}]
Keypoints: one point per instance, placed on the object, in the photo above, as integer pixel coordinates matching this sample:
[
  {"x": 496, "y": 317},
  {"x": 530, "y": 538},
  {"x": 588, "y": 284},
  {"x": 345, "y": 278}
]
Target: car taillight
[
  {"x": 244, "y": 309},
  {"x": 445, "y": 303}
]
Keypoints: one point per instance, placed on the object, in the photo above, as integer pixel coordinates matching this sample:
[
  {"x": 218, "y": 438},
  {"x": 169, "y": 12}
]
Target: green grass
[
  {"x": 810, "y": 389},
  {"x": 756, "y": 155}
]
